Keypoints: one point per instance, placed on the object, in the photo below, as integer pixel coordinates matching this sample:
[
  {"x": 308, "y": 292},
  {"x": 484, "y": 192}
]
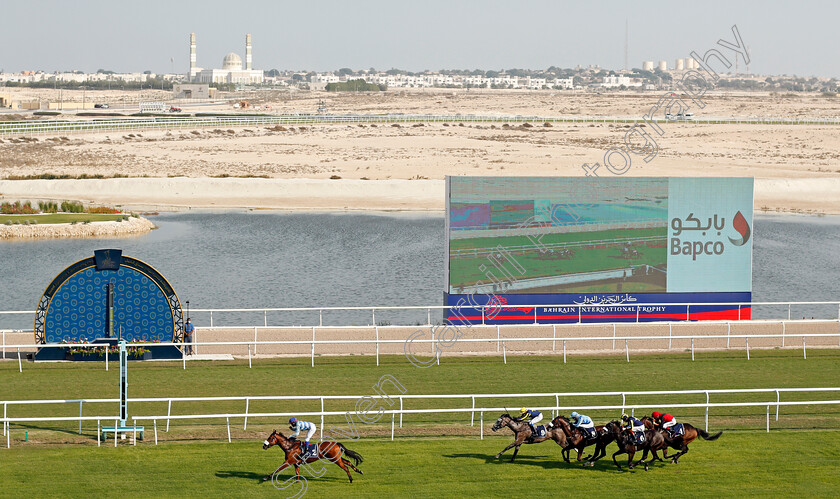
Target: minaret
[
  {"x": 248, "y": 52},
  {"x": 192, "y": 55}
]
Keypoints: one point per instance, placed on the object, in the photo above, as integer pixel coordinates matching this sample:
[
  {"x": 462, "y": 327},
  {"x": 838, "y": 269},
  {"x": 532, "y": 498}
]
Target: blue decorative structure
[{"x": 109, "y": 292}]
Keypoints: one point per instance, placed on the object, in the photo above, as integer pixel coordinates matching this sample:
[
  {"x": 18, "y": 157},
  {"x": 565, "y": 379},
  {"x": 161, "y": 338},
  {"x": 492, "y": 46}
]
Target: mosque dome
[{"x": 232, "y": 62}]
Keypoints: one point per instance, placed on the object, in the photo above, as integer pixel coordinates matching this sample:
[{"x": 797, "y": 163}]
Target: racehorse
[
  {"x": 627, "y": 444},
  {"x": 522, "y": 435},
  {"x": 579, "y": 441},
  {"x": 330, "y": 451},
  {"x": 680, "y": 442}
]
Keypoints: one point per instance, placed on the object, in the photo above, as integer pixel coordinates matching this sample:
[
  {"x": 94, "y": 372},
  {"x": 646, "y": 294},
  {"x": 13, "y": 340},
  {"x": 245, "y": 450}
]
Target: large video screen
[{"x": 575, "y": 240}]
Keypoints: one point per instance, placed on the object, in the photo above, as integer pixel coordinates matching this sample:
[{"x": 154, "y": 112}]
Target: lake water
[{"x": 278, "y": 259}]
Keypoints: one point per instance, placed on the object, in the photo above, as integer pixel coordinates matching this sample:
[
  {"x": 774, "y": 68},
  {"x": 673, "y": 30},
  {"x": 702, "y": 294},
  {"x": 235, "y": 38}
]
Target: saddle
[
  {"x": 677, "y": 430},
  {"x": 589, "y": 433},
  {"x": 538, "y": 431}
]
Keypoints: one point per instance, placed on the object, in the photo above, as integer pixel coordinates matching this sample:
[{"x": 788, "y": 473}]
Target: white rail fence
[
  {"x": 484, "y": 308},
  {"x": 30, "y": 128},
  {"x": 500, "y": 341},
  {"x": 473, "y": 409}
]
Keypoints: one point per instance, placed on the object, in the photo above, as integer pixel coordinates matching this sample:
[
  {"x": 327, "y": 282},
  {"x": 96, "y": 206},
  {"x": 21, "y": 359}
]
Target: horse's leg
[
  {"x": 677, "y": 456},
  {"x": 506, "y": 449},
  {"x": 340, "y": 462},
  {"x": 619, "y": 451},
  {"x": 348, "y": 463},
  {"x": 515, "y": 452},
  {"x": 565, "y": 453},
  {"x": 630, "y": 454},
  {"x": 297, "y": 472},
  {"x": 278, "y": 470}
]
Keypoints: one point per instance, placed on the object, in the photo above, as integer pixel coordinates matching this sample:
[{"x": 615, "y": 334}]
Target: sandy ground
[{"x": 797, "y": 167}]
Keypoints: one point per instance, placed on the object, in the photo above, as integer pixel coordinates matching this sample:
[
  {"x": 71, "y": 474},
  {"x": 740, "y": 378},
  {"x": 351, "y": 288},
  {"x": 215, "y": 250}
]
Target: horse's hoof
[{"x": 266, "y": 478}]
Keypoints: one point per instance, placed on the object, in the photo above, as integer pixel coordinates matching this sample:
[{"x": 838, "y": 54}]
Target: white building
[{"x": 231, "y": 71}]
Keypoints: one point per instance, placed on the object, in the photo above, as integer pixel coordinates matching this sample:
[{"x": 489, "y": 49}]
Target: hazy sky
[{"x": 784, "y": 37}]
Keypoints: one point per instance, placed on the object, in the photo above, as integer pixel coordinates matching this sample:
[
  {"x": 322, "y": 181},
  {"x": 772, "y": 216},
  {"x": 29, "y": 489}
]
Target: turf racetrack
[
  {"x": 465, "y": 269},
  {"x": 433, "y": 455}
]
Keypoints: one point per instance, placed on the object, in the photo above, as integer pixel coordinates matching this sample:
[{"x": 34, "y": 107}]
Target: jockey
[
  {"x": 635, "y": 426},
  {"x": 297, "y": 426},
  {"x": 533, "y": 415},
  {"x": 668, "y": 422},
  {"x": 582, "y": 422}
]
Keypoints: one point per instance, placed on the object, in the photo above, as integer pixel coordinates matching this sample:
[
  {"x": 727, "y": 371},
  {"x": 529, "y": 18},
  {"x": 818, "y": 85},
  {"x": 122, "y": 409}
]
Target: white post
[
  {"x": 472, "y": 414},
  {"x": 401, "y": 408},
  {"x": 255, "y": 343},
  {"x": 556, "y": 405},
  {"x": 373, "y": 316},
  {"x": 623, "y": 402},
  {"x": 5, "y": 405},
  {"x": 429, "y": 316},
  {"x": 613, "y": 335},
  {"x": 804, "y": 355},
  {"x": 392, "y": 426},
  {"x": 320, "y": 317},
  {"x": 692, "y": 348},
  {"x": 627, "y": 350},
  {"x": 249, "y": 355},
  {"x": 313, "y": 347},
  {"x": 211, "y": 318},
  {"x": 728, "y": 333},
  {"x": 481, "y": 424},
  {"x": 80, "y": 416},
  {"x": 377, "y": 345},
  {"x": 504, "y": 352},
  {"x": 247, "y": 405},
  {"x": 106, "y": 357},
  {"x": 564, "y": 351},
  {"x": 265, "y": 319},
  {"x": 4, "y": 343},
  {"x": 20, "y": 366},
  {"x": 168, "y": 413},
  {"x": 184, "y": 360},
  {"x": 8, "y": 435},
  {"x": 134, "y": 440},
  {"x": 707, "y": 411},
  {"x": 788, "y": 311},
  {"x": 768, "y": 418},
  {"x": 98, "y": 434},
  {"x": 322, "y": 418},
  {"x": 580, "y": 314},
  {"x": 535, "y": 315},
  {"x": 748, "y": 348},
  {"x": 228, "y": 428},
  {"x": 116, "y": 425},
  {"x": 482, "y": 316},
  {"x": 97, "y": 423},
  {"x": 777, "y": 405}
]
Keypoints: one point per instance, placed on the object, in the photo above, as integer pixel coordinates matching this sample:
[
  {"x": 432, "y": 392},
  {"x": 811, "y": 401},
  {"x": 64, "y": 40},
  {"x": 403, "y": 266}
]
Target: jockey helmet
[
  {"x": 656, "y": 414},
  {"x": 625, "y": 417},
  {"x": 523, "y": 410},
  {"x": 574, "y": 414},
  {"x": 292, "y": 420}
]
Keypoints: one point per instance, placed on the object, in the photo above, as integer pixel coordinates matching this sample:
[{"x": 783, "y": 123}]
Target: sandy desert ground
[{"x": 797, "y": 167}]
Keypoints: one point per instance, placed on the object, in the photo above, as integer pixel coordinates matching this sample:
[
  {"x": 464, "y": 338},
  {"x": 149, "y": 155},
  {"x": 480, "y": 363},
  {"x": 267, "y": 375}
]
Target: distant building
[
  {"x": 231, "y": 71},
  {"x": 193, "y": 91}
]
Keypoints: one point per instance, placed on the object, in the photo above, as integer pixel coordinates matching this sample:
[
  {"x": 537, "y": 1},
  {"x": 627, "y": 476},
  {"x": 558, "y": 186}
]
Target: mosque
[{"x": 231, "y": 72}]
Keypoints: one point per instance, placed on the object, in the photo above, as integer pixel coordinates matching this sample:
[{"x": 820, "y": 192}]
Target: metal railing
[
  {"x": 473, "y": 409},
  {"x": 484, "y": 308},
  {"x": 501, "y": 342},
  {"x": 29, "y": 128}
]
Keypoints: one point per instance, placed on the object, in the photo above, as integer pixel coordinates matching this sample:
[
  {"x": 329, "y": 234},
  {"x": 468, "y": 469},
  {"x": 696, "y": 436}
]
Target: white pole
[
  {"x": 401, "y": 408},
  {"x": 134, "y": 442},
  {"x": 155, "y": 430},
  {"x": 322, "y": 417},
  {"x": 228, "y": 428},
  {"x": 472, "y": 414},
  {"x": 20, "y": 366},
  {"x": 504, "y": 352},
  {"x": 768, "y": 418},
  {"x": 80, "y": 416},
  {"x": 377, "y": 345},
  {"x": 692, "y": 348},
  {"x": 481, "y": 424},
  {"x": 804, "y": 355},
  {"x": 116, "y": 425},
  {"x": 627, "y": 350},
  {"x": 106, "y": 357},
  {"x": 564, "y": 351},
  {"x": 98, "y": 435},
  {"x": 313, "y": 347},
  {"x": 168, "y": 413},
  {"x": 255, "y": 342},
  {"x": 613, "y": 335},
  {"x": 707, "y": 411},
  {"x": 249, "y": 354},
  {"x": 777, "y": 405},
  {"x": 247, "y": 404},
  {"x": 392, "y": 426},
  {"x": 748, "y": 348},
  {"x": 184, "y": 360}
]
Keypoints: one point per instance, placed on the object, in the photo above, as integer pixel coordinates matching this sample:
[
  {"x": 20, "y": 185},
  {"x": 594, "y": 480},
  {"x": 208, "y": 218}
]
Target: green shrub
[{"x": 72, "y": 207}]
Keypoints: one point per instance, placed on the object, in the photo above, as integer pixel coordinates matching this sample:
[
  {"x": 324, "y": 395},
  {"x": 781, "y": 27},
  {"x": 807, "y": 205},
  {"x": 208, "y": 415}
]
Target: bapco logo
[{"x": 740, "y": 224}]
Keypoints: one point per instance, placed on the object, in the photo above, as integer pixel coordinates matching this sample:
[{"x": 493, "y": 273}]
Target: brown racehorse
[
  {"x": 680, "y": 442},
  {"x": 578, "y": 440},
  {"x": 627, "y": 444},
  {"x": 522, "y": 435},
  {"x": 330, "y": 451}
]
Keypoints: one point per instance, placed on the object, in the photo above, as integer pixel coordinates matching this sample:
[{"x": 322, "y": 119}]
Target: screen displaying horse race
[{"x": 599, "y": 240}]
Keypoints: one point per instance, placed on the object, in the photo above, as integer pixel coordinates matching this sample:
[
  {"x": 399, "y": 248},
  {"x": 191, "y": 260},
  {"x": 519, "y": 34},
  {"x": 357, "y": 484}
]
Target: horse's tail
[
  {"x": 352, "y": 455},
  {"x": 706, "y": 436}
]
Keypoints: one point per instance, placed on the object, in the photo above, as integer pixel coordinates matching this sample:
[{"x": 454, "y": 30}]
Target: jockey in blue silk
[
  {"x": 534, "y": 416},
  {"x": 300, "y": 426},
  {"x": 635, "y": 426},
  {"x": 580, "y": 421}
]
